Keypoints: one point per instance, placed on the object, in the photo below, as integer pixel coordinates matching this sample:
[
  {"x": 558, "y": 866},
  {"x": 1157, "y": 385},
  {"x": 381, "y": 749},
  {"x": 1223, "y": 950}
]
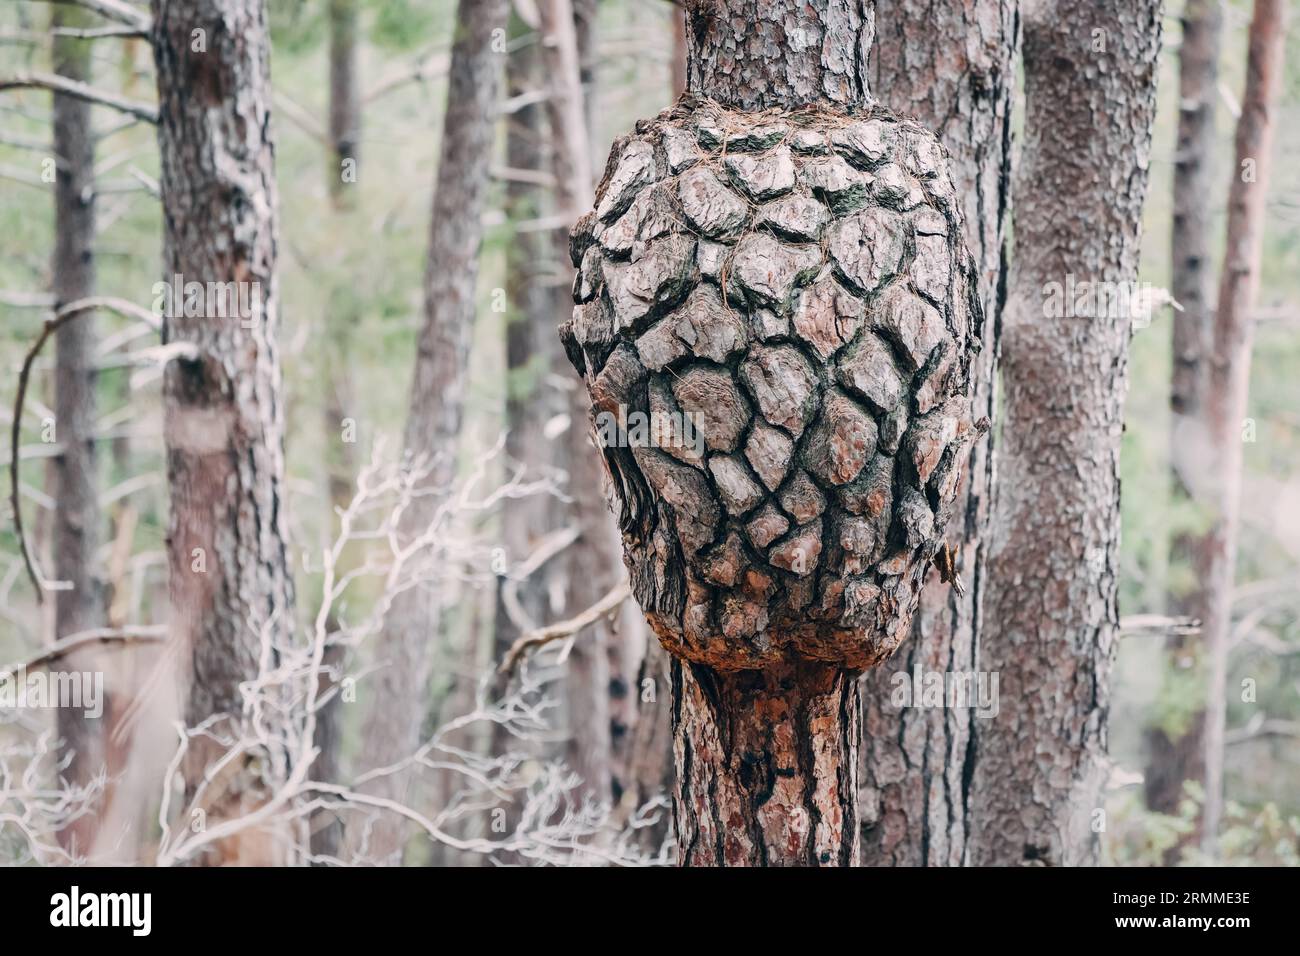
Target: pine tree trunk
[
  {"x": 398, "y": 690},
  {"x": 77, "y": 518},
  {"x": 1175, "y": 755},
  {"x": 341, "y": 175},
  {"x": 1229, "y": 376},
  {"x": 952, "y": 65},
  {"x": 817, "y": 341},
  {"x": 1052, "y": 621},
  {"x": 230, "y": 585}
]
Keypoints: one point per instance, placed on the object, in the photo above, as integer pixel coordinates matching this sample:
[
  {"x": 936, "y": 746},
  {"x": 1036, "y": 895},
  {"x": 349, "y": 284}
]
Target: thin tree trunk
[
  {"x": 230, "y": 584},
  {"x": 1052, "y": 617},
  {"x": 392, "y": 726},
  {"x": 1229, "y": 375},
  {"x": 77, "y": 519},
  {"x": 951, "y": 64},
  {"x": 592, "y": 562},
  {"x": 344, "y": 139},
  {"x": 1177, "y": 755}
]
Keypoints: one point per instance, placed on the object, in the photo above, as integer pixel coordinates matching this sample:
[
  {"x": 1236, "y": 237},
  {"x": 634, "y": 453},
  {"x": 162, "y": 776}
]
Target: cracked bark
[
  {"x": 1051, "y": 619},
  {"x": 951, "y": 64},
  {"x": 782, "y": 262},
  {"x": 229, "y": 582}
]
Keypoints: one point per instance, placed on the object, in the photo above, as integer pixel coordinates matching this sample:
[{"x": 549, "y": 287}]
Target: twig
[
  {"x": 116, "y": 10},
  {"x": 52, "y": 325},
  {"x": 82, "y": 91},
  {"x": 562, "y": 629},
  {"x": 99, "y": 635}
]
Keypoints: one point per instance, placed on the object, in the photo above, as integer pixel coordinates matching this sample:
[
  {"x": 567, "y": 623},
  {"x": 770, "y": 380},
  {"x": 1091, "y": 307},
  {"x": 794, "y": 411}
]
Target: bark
[
  {"x": 793, "y": 284},
  {"x": 766, "y": 765},
  {"x": 77, "y": 518},
  {"x": 756, "y": 54},
  {"x": 344, "y": 138},
  {"x": 677, "y": 76},
  {"x": 392, "y": 726},
  {"x": 230, "y": 585},
  {"x": 1052, "y": 618},
  {"x": 1176, "y": 755},
  {"x": 1229, "y": 375},
  {"x": 951, "y": 65}
]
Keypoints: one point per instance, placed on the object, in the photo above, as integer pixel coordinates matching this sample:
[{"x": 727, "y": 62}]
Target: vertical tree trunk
[
  {"x": 436, "y": 408},
  {"x": 952, "y": 65},
  {"x": 766, "y": 766},
  {"x": 1177, "y": 755},
  {"x": 230, "y": 584},
  {"x": 77, "y": 519},
  {"x": 1229, "y": 374},
  {"x": 1052, "y": 616},
  {"x": 591, "y": 563},
  {"x": 342, "y": 174}
]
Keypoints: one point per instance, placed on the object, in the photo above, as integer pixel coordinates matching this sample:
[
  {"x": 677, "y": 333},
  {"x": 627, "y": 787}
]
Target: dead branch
[
  {"x": 116, "y": 636},
  {"x": 61, "y": 84},
  {"x": 562, "y": 629},
  {"x": 118, "y": 11}
]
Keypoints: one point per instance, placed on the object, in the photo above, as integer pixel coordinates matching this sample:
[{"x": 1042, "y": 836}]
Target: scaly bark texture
[
  {"x": 950, "y": 65},
  {"x": 77, "y": 518},
  {"x": 1052, "y": 619},
  {"x": 776, "y": 319},
  {"x": 392, "y": 726},
  {"x": 760, "y": 54},
  {"x": 1229, "y": 375},
  {"x": 1175, "y": 755},
  {"x": 229, "y": 584}
]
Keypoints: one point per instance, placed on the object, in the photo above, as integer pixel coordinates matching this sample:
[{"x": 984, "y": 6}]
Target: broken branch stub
[{"x": 775, "y": 321}]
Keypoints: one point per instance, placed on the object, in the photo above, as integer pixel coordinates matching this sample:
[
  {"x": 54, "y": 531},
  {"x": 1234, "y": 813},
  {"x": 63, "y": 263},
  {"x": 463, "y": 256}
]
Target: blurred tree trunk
[
  {"x": 1229, "y": 376},
  {"x": 1176, "y": 755},
  {"x": 398, "y": 689},
  {"x": 344, "y": 142},
  {"x": 592, "y": 563},
  {"x": 77, "y": 519},
  {"x": 230, "y": 584},
  {"x": 951, "y": 64},
  {"x": 1052, "y": 618}
]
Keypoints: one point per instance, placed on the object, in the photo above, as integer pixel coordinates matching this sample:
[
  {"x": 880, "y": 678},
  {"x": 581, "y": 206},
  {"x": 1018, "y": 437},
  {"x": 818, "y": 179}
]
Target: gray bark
[
  {"x": 224, "y": 419},
  {"x": 77, "y": 519},
  {"x": 398, "y": 689},
  {"x": 1051, "y": 619},
  {"x": 952, "y": 65}
]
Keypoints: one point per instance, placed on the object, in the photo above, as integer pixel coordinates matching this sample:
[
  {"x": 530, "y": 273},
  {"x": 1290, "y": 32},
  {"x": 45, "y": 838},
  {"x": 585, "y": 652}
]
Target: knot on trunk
[{"x": 775, "y": 320}]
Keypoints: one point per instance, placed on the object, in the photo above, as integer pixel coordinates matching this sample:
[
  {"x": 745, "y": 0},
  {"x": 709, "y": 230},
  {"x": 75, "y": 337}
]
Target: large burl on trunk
[{"x": 776, "y": 318}]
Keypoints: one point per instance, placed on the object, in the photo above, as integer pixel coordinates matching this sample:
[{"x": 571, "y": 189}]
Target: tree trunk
[
  {"x": 1229, "y": 375},
  {"x": 392, "y": 727},
  {"x": 77, "y": 518},
  {"x": 952, "y": 65},
  {"x": 1052, "y": 617},
  {"x": 766, "y": 766},
  {"x": 1175, "y": 755},
  {"x": 230, "y": 584},
  {"x": 803, "y": 360},
  {"x": 342, "y": 175},
  {"x": 591, "y": 563}
]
